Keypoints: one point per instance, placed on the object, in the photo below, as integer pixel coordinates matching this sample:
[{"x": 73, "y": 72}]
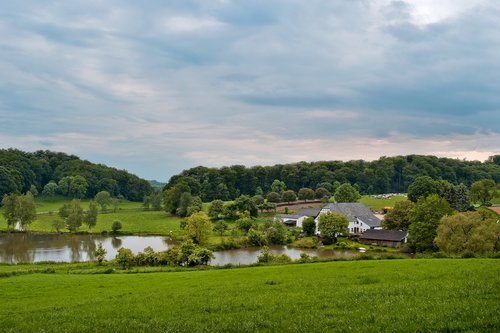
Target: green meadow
[
  {"x": 377, "y": 204},
  {"x": 425, "y": 295}
]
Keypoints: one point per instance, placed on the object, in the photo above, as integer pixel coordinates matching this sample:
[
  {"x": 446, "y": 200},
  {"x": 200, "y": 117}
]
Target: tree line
[
  {"x": 54, "y": 173},
  {"x": 385, "y": 175}
]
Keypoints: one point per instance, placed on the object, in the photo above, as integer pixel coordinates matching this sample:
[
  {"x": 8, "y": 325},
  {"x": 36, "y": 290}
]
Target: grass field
[
  {"x": 440, "y": 295},
  {"x": 378, "y": 204}
]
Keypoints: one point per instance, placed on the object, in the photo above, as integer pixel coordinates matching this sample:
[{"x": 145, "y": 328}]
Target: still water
[{"x": 21, "y": 247}]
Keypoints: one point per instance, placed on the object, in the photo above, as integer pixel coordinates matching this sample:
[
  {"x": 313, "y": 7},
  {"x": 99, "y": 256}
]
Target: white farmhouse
[{"x": 360, "y": 216}]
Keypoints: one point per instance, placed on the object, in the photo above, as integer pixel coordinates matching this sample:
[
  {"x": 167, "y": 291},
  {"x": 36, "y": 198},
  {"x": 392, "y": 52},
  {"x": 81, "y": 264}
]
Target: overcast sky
[{"x": 156, "y": 87}]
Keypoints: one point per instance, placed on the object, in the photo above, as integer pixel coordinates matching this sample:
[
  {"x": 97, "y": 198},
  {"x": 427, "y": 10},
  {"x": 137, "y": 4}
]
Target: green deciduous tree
[
  {"x": 244, "y": 203},
  {"x": 321, "y": 193},
  {"x": 483, "y": 191},
  {"x": 156, "y": 200},
  {"x": 399, "y": 217},
  {"x": 103, "y": 198},
  {"x": 50, "y": 189},
  {"x": 309, "y": 226},
  {"x": 346, "y": 193},
  {"x": 273, "y": 197},
  {"x": 198, "y": 228},
  {"x": 468, "y": 231},
  {"x": 172, "y": 197},
  {"x": 306, "y": 193},
  {"x": 289, "y": 196},
  {"x": 10, "y": 204},
  {"x": 220, "y": 227},
  {"x": 91, "y": 215},
  {"x": 26, "y": 210},
  {"x": 278, "y": 186},
  {"x": 331, "y": 225},
  {"x": 125, "y": 258},
  {"x": 100, "y": 253},
  {"x": 216, "y": 209},
  {"x": 424, "y": 221},
  {"x": 33, "y": 190},
  {"x": 116, "y": 226},
  {"x": 78, "y": 187},
  {"x": 424, "y": 186},
  {"x": 72, "y": 214}
]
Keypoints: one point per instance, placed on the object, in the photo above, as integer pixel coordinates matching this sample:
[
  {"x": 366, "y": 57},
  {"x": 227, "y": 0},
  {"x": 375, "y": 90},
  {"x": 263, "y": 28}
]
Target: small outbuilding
[{"x": 391, "y": 238}]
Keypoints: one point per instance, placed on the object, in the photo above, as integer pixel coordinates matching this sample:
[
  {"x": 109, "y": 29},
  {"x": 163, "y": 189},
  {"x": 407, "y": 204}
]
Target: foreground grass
[{"x": 368, "y": 296}]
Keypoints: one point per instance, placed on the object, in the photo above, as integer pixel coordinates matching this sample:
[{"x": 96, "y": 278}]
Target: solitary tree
[
  {"x": 346, "y": 193},
  {"x": 73, "y": 215},
  {"x": 198, "y": 228},
  {"x": 116, "y": 226},
  {"x": 103, "y": 198},
  {"x": 100, "y": 253},
  {"x": 26, "y": 210},
  {"x": 306, "y": 193},
  {"x": 331, "y": 225},
  {"x": 289, "y": 195},
  {"x": 91, "y": 215},
  {"x": 273, "y": 197}
]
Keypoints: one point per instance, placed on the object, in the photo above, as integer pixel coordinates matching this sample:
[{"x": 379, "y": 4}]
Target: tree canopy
[
  {"x": 80, "y": 179},
  {"x": 385, "y": 175}
]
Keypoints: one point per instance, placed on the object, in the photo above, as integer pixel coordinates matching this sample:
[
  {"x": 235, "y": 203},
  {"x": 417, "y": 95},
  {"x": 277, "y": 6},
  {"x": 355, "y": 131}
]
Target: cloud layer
[{"x": 157, "y": 87}]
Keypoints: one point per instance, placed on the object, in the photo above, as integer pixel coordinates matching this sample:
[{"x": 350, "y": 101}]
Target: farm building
[
  {"x": 392, "y": 238},
  {"x": 296, "y": 219},
  {"x": 360, "y": 216}
]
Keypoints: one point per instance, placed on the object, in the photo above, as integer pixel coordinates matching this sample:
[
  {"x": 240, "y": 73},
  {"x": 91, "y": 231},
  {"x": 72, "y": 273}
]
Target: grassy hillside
[{"x": 369, "y": 296}]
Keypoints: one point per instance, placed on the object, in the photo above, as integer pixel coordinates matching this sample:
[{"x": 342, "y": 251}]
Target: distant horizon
[
  {"x": 161, "y": 87},
  {"x": 248, "y": 166}
]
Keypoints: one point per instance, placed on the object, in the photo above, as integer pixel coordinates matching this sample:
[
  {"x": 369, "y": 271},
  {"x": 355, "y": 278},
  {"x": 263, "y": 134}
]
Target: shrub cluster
[{"x": 187, "y": 254}]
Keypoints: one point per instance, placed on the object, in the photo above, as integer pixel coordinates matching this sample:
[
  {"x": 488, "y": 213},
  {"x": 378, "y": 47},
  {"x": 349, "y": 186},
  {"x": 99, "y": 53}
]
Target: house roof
[
  {"x": 288, "y": 216},
  {"x": 354, "y": 210},
  {"x": 313, "y": 212},
  {"x": 384, "y": 235}
]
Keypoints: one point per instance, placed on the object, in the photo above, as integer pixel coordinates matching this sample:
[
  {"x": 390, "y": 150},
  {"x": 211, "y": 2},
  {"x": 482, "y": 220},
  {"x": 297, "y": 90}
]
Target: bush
[
  {"x": 468, "y": 254},
  {"x": 117, "y": 225},
  {"x": 125, "y": 257},
  {"x": 256, "y": 238},
  {"x": 265, "y": 255},
  {"x": 245, "y": 224}
]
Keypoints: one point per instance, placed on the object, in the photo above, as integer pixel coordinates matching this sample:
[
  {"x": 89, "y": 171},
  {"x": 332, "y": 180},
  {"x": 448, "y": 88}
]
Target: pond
[{"x": 32, "y": 247}]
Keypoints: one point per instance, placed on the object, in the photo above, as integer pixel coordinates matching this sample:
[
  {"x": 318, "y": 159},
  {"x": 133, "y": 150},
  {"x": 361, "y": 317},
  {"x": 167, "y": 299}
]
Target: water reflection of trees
[
  {"x": 26, "y": 247},
  {"x": 116, "y": 242}
]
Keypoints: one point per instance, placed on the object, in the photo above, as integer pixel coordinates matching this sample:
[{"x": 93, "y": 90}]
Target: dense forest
[
  {"x": 385, "y": 175},
  {"x": 19, "y": 171}
]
